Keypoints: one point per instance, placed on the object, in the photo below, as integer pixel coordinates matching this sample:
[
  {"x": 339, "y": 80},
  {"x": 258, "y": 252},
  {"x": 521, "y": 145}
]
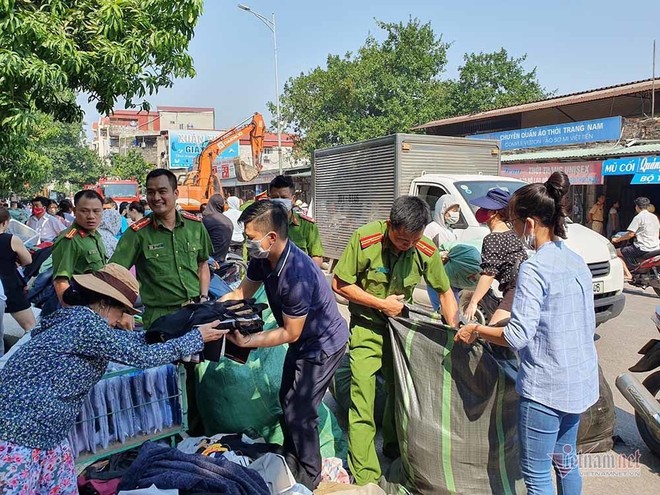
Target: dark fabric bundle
[
  {"x": 169, "y": 468},
  {"x": 244, "y": 316}
]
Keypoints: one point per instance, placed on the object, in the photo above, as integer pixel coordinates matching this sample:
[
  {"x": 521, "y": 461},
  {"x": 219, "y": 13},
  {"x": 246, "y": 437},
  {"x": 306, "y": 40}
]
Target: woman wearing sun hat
[{"x": 46, "y": 381}]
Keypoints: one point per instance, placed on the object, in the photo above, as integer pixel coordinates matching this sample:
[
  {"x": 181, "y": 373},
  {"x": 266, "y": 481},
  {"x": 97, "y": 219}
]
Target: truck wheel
[{"x": 652, "y": 384}]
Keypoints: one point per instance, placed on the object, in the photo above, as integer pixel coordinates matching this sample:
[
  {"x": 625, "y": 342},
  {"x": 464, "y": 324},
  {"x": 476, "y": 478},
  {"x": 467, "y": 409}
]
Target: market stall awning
[{"x": 582, "y": 153}]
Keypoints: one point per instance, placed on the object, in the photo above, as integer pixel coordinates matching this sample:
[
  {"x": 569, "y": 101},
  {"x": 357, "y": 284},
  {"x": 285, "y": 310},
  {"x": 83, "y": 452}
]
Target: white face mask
[
  {"x": 453, "y": 217},
  {"x": 255, "y": 250},
  {"x": 528, "y": 240},
  {"x": 286, "y": 202}
]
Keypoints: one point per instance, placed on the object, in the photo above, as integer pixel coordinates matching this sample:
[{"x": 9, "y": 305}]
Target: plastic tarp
[
  {"x": 244, "y": 398},
  {"x": 456, "y": 414},
  {"x": 26, "y": 234}
]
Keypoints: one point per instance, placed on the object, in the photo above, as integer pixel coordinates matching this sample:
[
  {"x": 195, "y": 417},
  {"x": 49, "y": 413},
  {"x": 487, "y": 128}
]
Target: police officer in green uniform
[
  {"x": 80, "y": 248},
  {"x": 169, "y": 249},
  {"x": 378, "y": 271},
  {"x": 303, "y": 231}
]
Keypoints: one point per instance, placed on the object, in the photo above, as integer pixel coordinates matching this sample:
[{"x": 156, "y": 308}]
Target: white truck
[{"x": 355, "y": 184}]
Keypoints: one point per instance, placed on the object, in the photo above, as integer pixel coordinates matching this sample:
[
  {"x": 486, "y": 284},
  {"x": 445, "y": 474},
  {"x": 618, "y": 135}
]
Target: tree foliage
[
  {"x": 385, "y": 87},
  {"x": 493, "y": 80},
  {"x": 108, "y": 49},
  {"x": 393, "y": 85},
  {"x": 131, "y": 165},
  {"x": 50, "y": 50},
  {"x": 53, "y": 153}
]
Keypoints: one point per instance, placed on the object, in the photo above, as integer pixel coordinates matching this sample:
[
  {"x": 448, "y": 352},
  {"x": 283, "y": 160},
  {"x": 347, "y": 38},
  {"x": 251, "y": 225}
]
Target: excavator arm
[{"x": 254, "y": 127}]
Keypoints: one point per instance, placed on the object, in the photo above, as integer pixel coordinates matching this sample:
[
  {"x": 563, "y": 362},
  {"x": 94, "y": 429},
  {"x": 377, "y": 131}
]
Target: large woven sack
[
  {"x": 456, "y": 414},
  {"x": 244, "y": 398},
  {"x": 597, "y": 423}
]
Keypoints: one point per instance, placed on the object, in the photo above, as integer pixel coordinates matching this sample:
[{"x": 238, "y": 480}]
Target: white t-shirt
[{"x": 646, "y": 227}]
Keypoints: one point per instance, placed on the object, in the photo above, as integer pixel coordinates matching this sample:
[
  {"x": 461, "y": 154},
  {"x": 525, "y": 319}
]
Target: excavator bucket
[{"x": 245, "y": 172}]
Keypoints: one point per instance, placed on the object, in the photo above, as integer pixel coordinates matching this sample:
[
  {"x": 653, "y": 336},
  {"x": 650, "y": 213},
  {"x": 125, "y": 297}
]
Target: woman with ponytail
[{"x": 552, "y": 329}]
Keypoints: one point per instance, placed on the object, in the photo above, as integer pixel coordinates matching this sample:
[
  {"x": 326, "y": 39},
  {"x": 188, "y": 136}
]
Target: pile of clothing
[{"x": 227, "y": 464}]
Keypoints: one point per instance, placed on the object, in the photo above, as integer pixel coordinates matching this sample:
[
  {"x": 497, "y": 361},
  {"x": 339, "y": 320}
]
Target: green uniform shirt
[
  {"x": 304, "y": 233},
  {"x": 370, "y": 262},
  {"x": 77, "y": 251},
  {"x": 166, "y": 262}
]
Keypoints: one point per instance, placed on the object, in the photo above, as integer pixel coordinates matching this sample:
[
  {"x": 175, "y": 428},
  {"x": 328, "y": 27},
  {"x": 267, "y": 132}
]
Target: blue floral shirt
[{"x": 43, "y": 385}]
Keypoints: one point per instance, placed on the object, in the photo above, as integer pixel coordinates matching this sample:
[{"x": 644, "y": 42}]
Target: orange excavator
[{"x": 196, "y": 187}]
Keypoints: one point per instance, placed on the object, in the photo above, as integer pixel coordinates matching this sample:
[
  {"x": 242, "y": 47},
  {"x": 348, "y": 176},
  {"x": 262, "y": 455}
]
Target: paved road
[{"x": 619, "y": 341}]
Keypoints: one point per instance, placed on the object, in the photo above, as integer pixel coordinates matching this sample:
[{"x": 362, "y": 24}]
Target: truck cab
[{"x": 596, "y": 250}]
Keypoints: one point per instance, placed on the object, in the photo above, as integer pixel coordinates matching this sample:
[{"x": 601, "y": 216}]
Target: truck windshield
[
  {"x": 475, "y": 189},
  {"x": 120, "y": 191}
]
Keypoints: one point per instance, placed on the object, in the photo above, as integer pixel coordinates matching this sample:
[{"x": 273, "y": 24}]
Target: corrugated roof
[
  {"x": 599, "y": 152},
  {"x": 555, "y": 101}
]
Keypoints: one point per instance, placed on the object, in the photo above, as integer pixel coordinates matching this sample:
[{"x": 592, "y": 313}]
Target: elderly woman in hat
[
  {"x": 46, "y": 381},
  {"x": 502, "y": 253}
]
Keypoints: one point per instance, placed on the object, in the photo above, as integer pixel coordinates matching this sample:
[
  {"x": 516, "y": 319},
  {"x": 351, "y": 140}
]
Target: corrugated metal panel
[
  {"x": 421, "y": 155},
  {"x": 357, "y": 183},
  {"x": 555, "y": 101},
  {"x": 353, "y": 185},
  {"x": 599, "y": 152}
]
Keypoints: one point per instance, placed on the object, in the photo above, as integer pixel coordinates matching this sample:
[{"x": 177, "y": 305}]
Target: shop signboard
[
  {"x": 585, "y": 131},
  {"x": 186, "y": 145},
  {"x": 579, "y": 173},
  {"x": 644, "y": 169}
]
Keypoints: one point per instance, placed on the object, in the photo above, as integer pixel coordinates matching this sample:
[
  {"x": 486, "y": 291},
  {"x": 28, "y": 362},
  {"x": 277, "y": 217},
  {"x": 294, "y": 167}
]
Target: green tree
[
  {"x": 53, "y": 153},
  {"x": 130, "y": 166},
  {"x": 107, "y": 49},
  {"x": 73, "y": 161},
  {"x": 385, "y": 87},
  {"x": 493, "y": 80}
]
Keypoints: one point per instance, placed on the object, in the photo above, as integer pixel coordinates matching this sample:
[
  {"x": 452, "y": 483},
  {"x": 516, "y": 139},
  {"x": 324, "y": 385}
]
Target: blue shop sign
[
  {"x": 646, "y": 178},
  {"x": 185, "y": 146},
  {"x": 631, "y": 165},
  {"x": 586, "y": 131}
]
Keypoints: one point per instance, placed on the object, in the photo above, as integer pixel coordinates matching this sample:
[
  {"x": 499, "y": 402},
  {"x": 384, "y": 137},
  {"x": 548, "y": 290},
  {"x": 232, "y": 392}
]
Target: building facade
[{"x": 607, "y": 140}]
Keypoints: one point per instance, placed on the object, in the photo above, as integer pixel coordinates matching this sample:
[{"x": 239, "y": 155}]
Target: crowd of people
[{"x": 546, "y": 313}]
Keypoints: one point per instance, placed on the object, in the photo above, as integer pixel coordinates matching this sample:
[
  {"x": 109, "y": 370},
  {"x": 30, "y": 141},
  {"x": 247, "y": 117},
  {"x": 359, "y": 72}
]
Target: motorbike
[
  {"x": 646, "y": 273},
  {"x": 645, "y": 270},
  {"x": 645, "y": 396}
]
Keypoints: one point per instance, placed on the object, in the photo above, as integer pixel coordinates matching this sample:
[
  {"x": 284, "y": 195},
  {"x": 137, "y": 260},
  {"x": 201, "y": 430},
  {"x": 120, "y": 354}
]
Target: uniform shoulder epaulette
[
  {"x": 305, "y": 217},
  {"x": 190, "y": 216},
  {"x": 426, "y": 248},
  {"x": 140, "y": 224},
  {"x": 72, "y": 233},
  {"x": 370, "y": 240}
]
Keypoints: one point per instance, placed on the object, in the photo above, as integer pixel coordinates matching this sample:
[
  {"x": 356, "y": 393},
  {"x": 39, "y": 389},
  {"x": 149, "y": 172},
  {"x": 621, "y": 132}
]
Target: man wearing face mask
[
  {"x": 303, "y": 230},
  {"x": 378, "y": 271},
  {"x": 309, "y": 321},
  {"x": 46, "y": 226}
]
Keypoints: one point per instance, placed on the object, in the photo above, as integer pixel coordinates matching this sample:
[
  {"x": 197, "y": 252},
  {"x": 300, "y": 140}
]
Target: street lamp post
[{"x": 270, "y": 24}]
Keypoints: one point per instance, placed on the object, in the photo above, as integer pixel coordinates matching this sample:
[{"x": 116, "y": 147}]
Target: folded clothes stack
[{"x": 243, "y": 315}]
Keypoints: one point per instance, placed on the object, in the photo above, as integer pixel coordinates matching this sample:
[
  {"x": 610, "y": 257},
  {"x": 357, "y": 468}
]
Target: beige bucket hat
[{"x": 114, "y": 281}]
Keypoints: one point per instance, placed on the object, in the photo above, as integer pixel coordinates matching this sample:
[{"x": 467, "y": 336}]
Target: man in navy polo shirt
[{"x": 309, "y": 321}]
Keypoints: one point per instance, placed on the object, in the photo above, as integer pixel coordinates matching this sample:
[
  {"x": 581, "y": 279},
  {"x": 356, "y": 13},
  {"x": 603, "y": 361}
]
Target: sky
[{"x": 574, "y": 45}]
